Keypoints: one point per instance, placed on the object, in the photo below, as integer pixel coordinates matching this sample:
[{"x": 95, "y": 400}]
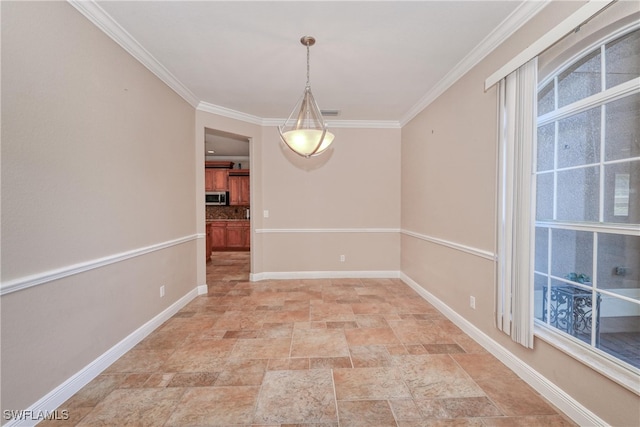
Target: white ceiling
[{"x": 377, "y": 62}]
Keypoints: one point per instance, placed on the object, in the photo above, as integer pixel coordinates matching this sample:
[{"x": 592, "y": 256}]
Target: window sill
[{"x": 627, "y": 377}]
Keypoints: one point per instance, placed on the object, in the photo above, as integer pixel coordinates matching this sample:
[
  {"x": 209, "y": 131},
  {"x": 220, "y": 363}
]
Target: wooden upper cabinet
[
  {"x": 239, "y": 192},
  {"x": 216, "y": 179}
]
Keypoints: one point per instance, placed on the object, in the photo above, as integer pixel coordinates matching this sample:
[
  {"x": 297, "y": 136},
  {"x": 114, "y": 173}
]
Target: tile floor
[{"x": 343, "y": 352}]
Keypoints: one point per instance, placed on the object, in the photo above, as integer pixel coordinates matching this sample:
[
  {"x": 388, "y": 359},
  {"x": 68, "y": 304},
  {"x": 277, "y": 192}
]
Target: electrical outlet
[
  {"x": 265, "y": 213},
  {"x": 161, "y": 291},
  {"x": 472, "y": 302},
  {"x": 343, "y": 258}
]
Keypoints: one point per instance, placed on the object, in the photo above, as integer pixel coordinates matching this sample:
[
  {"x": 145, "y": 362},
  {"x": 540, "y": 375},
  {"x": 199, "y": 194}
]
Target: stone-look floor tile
[
  {"x": 135, "y": 380},
  {"x": 140, "y": 407},
  {"x": 162, "y": 340},
  {"x": 372, "y": 308},
  {"x": 371, "y": 321},
  {"x": 91, "y": 394},
  {"x": 405, "y": 409},
  {"x": 460, "y": 422},
  {"x": 261, "y": 348},
  {"x": 215, "y": 406},
  {"x": 396, "y": 349},
  {"x": 330, "y": 362},
  {"x": 443, "y": 348},
  {"x": 239, "y": 320},
  {"x": 319, "y": 343},
  {"x": 288, "y": 364},
  {"x": 432, "y": 408},
  {"x": 514, "y": 397},
  {"x": 365, "y": 413},
  {"x": 246, "y": 334},
  {"x": 242, "y": 372},
  {"x": 193, "y": 379},
  {"x": 194, "y": 361},
  {"x": 436, "y": 376},
  {"x": 287, "y": 316},
  {"x": 140, "y": 361},
  {"x": 288, "y": 397},
  {"x": 413, "y": 331},
  {"x": 276, "y": 330},
  {"x": 368, "y": 336},
  {"x": 370, "y": 356},
  {"x": 469, "y": 345},
  {"x": 416, "y": 349},
  {"x": 470, "y": 407},
  {"x": 159, "y": 380},
  {"x": 73, "y": 417},
  {"x": 483, "y": 366},
  {"x": 342, "y": 325},
  {"x": 532, "y": 421},
  {"x": 331, "y": 312},
  {"x": 185, "y": 325},
  {"x": 369, "y": 383}
]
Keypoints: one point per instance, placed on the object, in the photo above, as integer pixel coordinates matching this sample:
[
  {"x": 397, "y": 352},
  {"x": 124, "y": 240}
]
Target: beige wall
[
  {"x": 97, "y": 160},
  {"x": 353, "y": 186},
  {"x": 449, "y": 182}
]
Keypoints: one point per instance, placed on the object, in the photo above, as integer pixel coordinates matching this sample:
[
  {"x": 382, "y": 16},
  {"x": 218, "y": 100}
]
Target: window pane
[
  {"x": 579, "y": 139},
  {"x": 581, "y": 80},
  {"x": 542, "y": 250},
  {"x": 618, "y": 262},
  {"x": 623, "y": 59},
  {"x": 572, "y": 254},
  {"x": 578, "y": 194},
  {"x": 546, "y": 135},
  {"x": 619, "y": 329},
  {"x": 544, "y": 196},
  {"x": 622, "y": 128},
  {"x": 621, "y": 195},
  {"x": 546, "y": 99},
  {"x": 569, "y": 309}
]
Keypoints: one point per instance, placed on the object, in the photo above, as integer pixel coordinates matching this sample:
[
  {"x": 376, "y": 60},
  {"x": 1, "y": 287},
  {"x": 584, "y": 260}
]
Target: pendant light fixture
[{"x": 305, "y": 132}]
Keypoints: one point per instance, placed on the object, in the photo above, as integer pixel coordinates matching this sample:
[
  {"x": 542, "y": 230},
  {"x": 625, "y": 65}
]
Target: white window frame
[{"x": 608, "y": 365}]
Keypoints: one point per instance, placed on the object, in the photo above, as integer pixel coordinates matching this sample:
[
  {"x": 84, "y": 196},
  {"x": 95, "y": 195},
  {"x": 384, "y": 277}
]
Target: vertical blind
[{"x": 517, "y": 133}]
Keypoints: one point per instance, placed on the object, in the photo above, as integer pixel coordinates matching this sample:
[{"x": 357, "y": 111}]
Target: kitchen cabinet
[
  {"x": 239, "y": 192},
  {"x": 234, "y": 235},
  {"x": 238, "y": 235},
  {"x": 218, "y": 235},
  {"x": 215, "y": 179}
]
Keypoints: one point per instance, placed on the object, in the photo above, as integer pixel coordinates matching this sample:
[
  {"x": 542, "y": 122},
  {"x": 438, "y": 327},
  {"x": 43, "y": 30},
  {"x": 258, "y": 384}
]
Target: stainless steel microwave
[{"x": 217, "y": 198}]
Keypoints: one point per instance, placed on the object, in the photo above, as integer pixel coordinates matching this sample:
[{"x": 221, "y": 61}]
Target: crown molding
[
  {"x": 94, "y": 13},
  {"x": 527, "y": 10},
  {"x": 101, "y": 19},
  {"x": 227, "y": 112},
  {"x": 344, "y": 124}
]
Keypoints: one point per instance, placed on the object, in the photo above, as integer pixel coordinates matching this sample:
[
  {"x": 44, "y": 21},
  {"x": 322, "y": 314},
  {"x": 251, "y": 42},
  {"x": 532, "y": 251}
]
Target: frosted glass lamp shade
[{"x": 308, "y": 142}]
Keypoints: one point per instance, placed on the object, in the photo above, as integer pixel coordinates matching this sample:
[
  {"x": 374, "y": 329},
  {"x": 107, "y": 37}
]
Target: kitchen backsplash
[{"x": 226, "y": 212}]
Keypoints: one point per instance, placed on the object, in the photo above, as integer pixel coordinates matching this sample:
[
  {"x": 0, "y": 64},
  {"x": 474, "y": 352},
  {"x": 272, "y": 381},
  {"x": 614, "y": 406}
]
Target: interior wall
[
  {"x": 344, "y": 202},
  {"x": 449, "y": 192},
  {"x": 97, "y": 163}
]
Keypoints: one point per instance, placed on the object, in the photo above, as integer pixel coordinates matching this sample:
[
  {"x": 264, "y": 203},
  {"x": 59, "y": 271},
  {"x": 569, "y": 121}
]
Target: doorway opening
[{"x": 227, "y": 192}]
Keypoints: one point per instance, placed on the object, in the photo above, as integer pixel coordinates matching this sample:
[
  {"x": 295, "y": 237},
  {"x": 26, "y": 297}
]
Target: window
[{"x": 587, "y": 217}]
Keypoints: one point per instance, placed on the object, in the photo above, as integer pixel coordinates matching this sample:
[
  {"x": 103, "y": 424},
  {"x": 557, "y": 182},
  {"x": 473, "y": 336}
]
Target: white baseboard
[
  {"x": 71, "y": 386},
  {"x": 203, "y": 289},
  {"x": 284, "y": 275},
  {"x": 564, "y": 402}
]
